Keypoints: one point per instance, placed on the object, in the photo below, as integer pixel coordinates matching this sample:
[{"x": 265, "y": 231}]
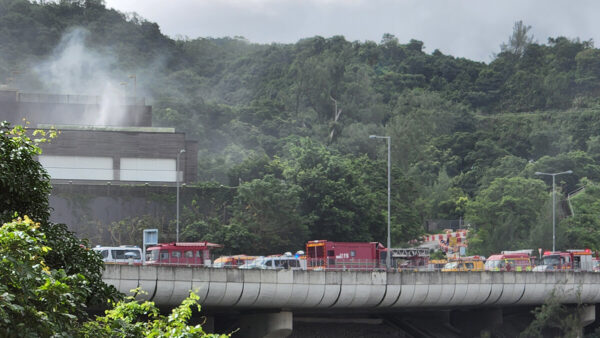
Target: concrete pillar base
[
  {"x": 587, "y": 315},
  {"x": 266, "y": 325}
]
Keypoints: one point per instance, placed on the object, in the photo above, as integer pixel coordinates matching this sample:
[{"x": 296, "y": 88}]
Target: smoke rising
[{"x": 75, "y": 69}]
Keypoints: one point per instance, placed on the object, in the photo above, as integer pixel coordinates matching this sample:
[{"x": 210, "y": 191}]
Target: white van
[
  {"x": 274, "y": 263},
  {"x": 124, "y": 254}
]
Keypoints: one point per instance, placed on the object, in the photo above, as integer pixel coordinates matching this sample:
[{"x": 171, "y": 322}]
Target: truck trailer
[{"x": 327, "y": 255}]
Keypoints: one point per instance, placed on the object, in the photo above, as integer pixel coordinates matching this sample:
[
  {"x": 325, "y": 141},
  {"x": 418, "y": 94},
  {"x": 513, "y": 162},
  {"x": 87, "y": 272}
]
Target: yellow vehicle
[
  {"x": 437, "y": 264},
  {"x": 232, "y": 261},
  {"x": 470, "y": 263}
]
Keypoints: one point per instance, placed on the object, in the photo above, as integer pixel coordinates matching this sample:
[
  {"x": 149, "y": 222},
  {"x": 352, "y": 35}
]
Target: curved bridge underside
[{"x": 168, "y": 286}]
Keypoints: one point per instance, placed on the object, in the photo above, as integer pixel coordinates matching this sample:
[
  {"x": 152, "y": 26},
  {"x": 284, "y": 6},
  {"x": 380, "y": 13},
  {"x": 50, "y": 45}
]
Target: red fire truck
[
  {"x": 566, "y": 260},
  {"x": 180, "y": 253},
  {"x": 326, "y": 255}
]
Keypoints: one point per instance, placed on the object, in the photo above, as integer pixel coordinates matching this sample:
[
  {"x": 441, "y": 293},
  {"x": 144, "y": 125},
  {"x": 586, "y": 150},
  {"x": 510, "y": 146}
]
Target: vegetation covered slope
[{"x": 288, "y": 125}]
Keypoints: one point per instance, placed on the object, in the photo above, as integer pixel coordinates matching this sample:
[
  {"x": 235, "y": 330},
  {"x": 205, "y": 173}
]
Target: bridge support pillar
[
  {"x": 209, "y": 324},
  {"x": 266, "y": 325},
  {"x": 587, "y": 315}
]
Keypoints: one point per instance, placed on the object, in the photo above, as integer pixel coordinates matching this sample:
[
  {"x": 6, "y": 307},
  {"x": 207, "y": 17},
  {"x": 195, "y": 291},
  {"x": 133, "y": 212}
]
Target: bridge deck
[{"x": 293, "y": 289}]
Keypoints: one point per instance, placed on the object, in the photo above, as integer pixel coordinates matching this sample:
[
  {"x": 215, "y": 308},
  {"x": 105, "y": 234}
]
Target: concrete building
[
  {"x": 108, "y": 164},
  {"x": 103, "y": 139}
]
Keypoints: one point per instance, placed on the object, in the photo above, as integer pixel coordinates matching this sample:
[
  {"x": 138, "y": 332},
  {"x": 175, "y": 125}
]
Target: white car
[{"x": 542, "y": 268}]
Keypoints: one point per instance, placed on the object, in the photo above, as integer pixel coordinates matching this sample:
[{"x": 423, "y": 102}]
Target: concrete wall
[
  {"x": 90, "y": 209},
  {"x": 288, "y": 289}
]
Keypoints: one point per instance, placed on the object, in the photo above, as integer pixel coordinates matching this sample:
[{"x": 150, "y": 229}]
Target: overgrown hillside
[{"x": 289, "y": 125}]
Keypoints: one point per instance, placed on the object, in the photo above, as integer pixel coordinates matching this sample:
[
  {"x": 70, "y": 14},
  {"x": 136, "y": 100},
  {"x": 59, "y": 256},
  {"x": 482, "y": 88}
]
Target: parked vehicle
[
  {"x": 275, "y": 262},
  {"x": 124, "y": 254},
  {"x": 412, "y": 259},
  {"x": 326, "y": 255},
  {"x": 555, "y": 260},
  {"x": 519, "y": 261},
  {"x": 468, "y": 263},
  {"x": 436, "y": 264},
  {"x": 181, "y": 253},
  {"x": 566, "y": 260},
  {"x": 232, "y": 261},
  {"x": 582, "y": 259}
]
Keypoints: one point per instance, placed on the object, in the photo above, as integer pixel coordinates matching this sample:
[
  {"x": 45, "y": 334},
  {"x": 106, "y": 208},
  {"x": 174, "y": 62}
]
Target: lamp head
[
  {"x": 569, "y": 172},
  {"x": 182, "y": 151},
  {"x": 539, "y": 173},
  {"x": 372, "y": 136}
]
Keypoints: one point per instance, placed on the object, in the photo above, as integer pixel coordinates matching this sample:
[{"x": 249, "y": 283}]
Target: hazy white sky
[{"x": 473, "y": 29}]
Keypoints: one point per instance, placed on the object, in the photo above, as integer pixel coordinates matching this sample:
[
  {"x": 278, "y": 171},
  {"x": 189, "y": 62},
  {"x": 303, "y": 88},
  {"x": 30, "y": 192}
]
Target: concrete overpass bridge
[{"x": 271, "y": 300}]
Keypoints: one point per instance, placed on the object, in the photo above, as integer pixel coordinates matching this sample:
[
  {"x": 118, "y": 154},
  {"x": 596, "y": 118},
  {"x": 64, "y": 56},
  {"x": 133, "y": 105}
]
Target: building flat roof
[{"x": 106, "y": 128}]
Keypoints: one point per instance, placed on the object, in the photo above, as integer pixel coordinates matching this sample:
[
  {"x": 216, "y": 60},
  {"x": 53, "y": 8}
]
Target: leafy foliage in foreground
[
  {"x": 24, "y": 184},
  {"x": 130, "y": 318},
  {"x": 48, "y": 276},
  {"x": 24, "y": 190},
  {"x": 36, "y": 300}
]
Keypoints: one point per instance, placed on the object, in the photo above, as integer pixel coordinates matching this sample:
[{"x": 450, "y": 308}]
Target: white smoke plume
[{"x": 74, "y": 69}]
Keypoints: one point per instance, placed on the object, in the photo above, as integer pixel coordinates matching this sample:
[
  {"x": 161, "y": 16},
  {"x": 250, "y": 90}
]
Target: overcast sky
[{"x": 472, "y": 29}]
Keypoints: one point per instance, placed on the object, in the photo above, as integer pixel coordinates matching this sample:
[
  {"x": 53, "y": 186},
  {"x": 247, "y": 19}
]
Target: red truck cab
[
  {"x": 574, "y": 259},
  {"x": 557, "y": 260}
]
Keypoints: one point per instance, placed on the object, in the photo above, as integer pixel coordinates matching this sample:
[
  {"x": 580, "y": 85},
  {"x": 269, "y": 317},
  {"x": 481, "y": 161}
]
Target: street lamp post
[
  {"x": 132, "y": 76},
  {"x": 388, "y": 262},
  {"x": 177, "y": 183},
  {"x": 554, "y": 202}
]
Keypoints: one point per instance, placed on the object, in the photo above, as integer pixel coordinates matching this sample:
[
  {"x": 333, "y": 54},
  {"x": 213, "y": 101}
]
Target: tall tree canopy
[{"x": 456, "y": 125}]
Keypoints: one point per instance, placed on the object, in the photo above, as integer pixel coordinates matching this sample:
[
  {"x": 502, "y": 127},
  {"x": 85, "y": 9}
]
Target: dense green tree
[
  {"x": 270, "y": 209},
  {"x": 343, "y": 197},
  {"x": 503, "y": 213},
  {"x": 441, "y": 200},
  {"x": 24, "y": 184},
  {"x": 421, "y": 116},
  {"x": 580, "y": 231},
  {"x": 25, "y": 188},
  {"x": 588, "y": 70},
  {"x": 507, "y": 166},
  {"x": 36, "y": 300},
  {"x": 579, "y": 162}
]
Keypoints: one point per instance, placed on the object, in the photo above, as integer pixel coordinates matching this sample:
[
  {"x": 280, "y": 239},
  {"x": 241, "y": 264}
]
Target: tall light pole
[
  {"x": 177, "y": 183},
  {"x": 554, "y": 202},
  {"x": 132, "y": 76},
  {"x": 388, "y": 261}
]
